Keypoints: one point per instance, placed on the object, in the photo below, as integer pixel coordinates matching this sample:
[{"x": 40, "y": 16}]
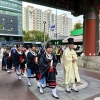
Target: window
[
  {"x": 3, "y": 28},
  {"x": 6, "y": 3},
  {"x": 3, "y": 19}
]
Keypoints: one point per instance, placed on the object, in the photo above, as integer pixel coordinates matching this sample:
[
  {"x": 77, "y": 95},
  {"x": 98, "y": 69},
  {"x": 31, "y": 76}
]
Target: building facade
[
  {"x": 47, "y": 17},
  {"x": 11, "y": 19},
  {"x": 28, "y": 18},
  {"x": 69, "y": 26},
  {"x": 38, "y": 19},
  {"x": 35, "y": 22},
  {"x": 32, "y": 19}
]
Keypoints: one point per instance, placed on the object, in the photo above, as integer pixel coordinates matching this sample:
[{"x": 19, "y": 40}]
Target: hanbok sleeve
[
  {"x": 30, "y": 63},
  {"x": 54, "y": 60},
  {"x": 67, "y": 56},
  {"x": 42, "y": 63},
  {"x": 75, "y": 56}
]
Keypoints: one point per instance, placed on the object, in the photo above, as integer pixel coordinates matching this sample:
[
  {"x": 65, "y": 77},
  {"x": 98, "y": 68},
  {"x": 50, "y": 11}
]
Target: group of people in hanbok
[{"x": 43, "y": 66}]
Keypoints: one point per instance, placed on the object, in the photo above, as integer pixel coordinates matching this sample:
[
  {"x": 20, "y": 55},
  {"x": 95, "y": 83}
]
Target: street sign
[
  {"x": 52, "y": 29},
  {"x": 53, "y": 26}
]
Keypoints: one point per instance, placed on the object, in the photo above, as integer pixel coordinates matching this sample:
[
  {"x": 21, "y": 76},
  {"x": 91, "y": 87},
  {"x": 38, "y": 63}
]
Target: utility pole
[
  {"x": 44, "y": 32},
  {"x": 56, "y": 23}
]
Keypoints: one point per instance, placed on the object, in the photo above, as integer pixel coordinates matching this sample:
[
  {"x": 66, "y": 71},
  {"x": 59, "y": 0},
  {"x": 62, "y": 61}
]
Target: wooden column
[{"x": 90, "y": 34}]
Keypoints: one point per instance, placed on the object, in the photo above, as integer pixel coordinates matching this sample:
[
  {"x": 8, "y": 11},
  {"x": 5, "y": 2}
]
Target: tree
[
  {"x": 34, "y": 36},
  {"x": 78, "y": 26},
  {"x": 1, "y": 27},
  {"x": 24, "y": 32}
]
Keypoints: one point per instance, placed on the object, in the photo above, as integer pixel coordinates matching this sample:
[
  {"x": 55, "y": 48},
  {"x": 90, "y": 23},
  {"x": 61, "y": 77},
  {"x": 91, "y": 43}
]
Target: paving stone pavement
[{"x": 88, "y": 87}]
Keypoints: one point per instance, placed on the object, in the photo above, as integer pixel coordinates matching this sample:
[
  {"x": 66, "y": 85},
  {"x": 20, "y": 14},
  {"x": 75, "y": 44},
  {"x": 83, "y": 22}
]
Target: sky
[{"x": 44, "y": 8}]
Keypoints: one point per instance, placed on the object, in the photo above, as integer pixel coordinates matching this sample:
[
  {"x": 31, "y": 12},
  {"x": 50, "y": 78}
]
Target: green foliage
[
  {"x": 34, "y": 36},
  {"x": 1, "y": 26},
  {"x": 78, "y": 26},
  {"x": 90, "y": 9}
]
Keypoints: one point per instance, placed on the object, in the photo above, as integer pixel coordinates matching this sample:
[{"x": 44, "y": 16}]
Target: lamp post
[
  {"x": 44, "y": 22},
  {"x": 56, "y": 23}
]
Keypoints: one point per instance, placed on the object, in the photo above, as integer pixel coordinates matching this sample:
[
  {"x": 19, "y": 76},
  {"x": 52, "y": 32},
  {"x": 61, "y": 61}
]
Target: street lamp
[
  {"x": 56, "y": 23},
  {"x": 44, "y": 22}
]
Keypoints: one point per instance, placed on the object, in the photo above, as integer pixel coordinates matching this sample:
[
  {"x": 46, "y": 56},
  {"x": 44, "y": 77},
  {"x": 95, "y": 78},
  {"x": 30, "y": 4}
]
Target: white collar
[
  {"x": 49, "y": 56},
  {"x": 19, "y": 52},
  {"x": 33, "y": 53}
]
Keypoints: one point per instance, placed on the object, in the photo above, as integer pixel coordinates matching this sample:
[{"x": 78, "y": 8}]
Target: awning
[
  {"x": 76, "y": 38},
  {"x": 11, "y": 35},
  {"x": 77, "y": 32}
]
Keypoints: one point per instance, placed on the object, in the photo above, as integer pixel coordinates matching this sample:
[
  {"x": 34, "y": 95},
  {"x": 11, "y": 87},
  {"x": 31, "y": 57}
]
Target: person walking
[
  {"x": 47, "y": 66},
  {"x": 71, "y": 74},
  {"x": 19, "y": 60},
  {"x": 9, "y": 59},
  {"x": 58, "y": 54},
  {"x": 33, "y": 66}
]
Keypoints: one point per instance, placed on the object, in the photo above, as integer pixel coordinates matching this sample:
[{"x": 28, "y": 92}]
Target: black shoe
[
  {"x": 55, "y": 97},
  {"x": 5, "y": 69},
  {"x": 68, "y": 91}
]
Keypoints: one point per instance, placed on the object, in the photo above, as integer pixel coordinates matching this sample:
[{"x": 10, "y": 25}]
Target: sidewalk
[
  {"x": 13, "y": 89},
  {"x": 88, "y": 87}
]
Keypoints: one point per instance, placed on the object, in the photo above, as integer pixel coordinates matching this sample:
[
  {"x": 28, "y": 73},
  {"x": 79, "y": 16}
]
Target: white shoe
[
  {"x": 18, "y": 73},
  {"x": 19, "y": 77},
  {"x": 8, "y": 71},
  {"x": 74, "y": 88},
  {"x": 43, "y": 85},
  {"x": 68, "y": 90},
  {"x": 54, "y": 93},
  {"x": 41, "y": 90},
  {"x": 29, "y": 84},
  {"x": 38, "y": 84},
  {"x": 55, "y": 96}
]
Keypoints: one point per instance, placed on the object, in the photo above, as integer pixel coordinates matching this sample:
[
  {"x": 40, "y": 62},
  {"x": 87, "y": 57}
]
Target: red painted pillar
[{"x": 90, "y": 34}]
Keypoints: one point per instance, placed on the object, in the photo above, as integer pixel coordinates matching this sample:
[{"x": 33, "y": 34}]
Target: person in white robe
[{"x": 71, "y": 74}]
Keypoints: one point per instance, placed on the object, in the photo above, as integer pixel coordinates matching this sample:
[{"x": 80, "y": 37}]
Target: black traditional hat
[
  {"x": 70, "y": 41},
  {"x": 48, "y": 45}
]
